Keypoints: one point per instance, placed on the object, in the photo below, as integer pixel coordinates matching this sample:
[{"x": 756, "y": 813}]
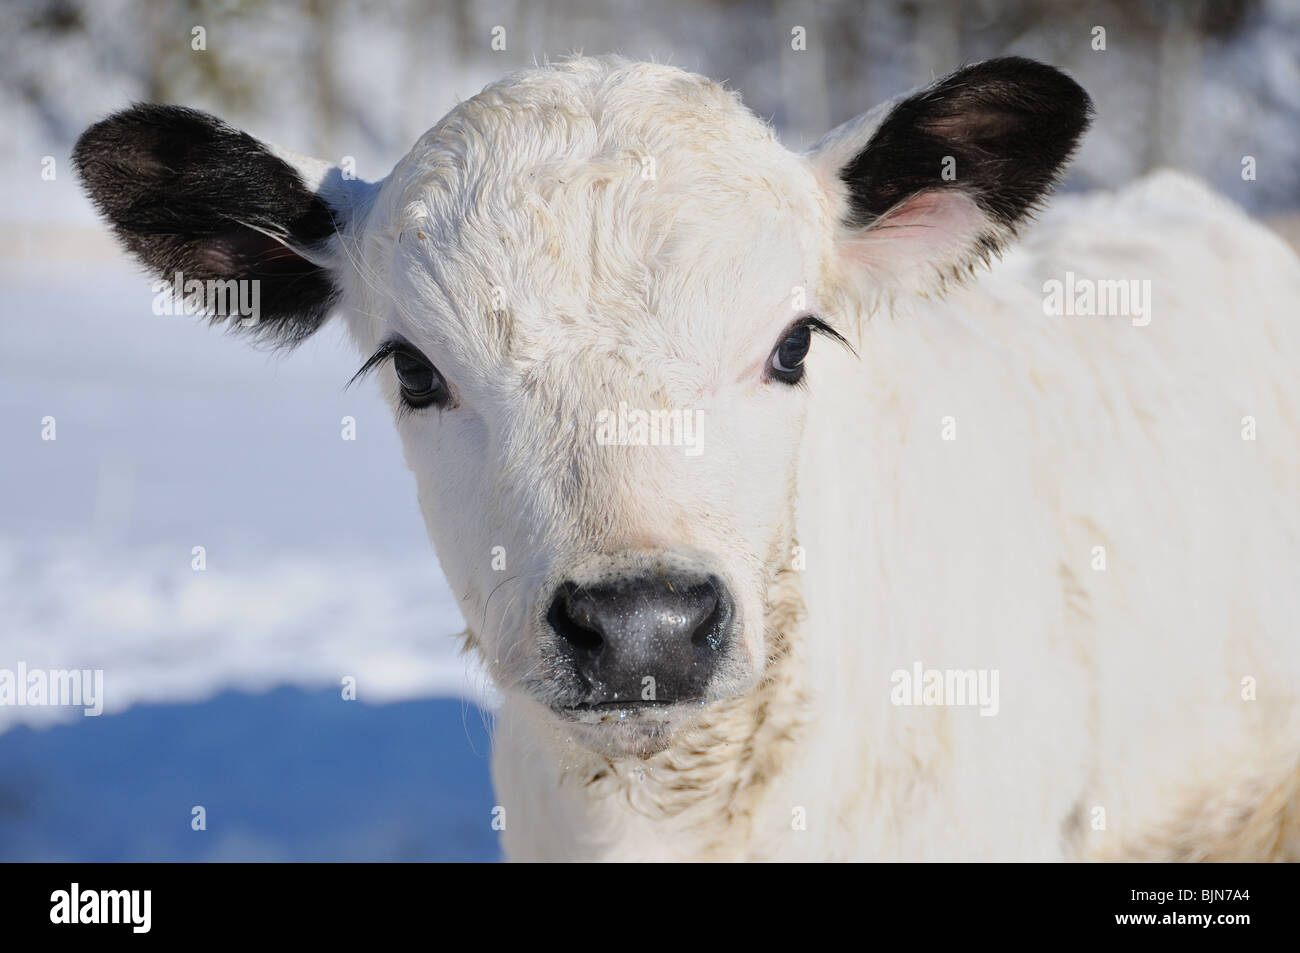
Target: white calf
[{"x": 992, "y": 583}]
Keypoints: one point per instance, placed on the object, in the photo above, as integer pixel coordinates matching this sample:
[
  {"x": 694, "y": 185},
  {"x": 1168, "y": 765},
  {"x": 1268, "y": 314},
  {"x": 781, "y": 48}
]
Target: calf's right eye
[
  {"x": 422, "y": 385},
  {"x": 420, "y": 382}
]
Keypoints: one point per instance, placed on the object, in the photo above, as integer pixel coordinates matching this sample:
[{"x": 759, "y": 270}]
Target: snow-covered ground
[{"x": 171, "y": 435}]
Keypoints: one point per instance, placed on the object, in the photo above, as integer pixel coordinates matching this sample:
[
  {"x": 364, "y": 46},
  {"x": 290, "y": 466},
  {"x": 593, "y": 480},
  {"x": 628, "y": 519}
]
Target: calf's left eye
[{"x": 786, "y": 364}]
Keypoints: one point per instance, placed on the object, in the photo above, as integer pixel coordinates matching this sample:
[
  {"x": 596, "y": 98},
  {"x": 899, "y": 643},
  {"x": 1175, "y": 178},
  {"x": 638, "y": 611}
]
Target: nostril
[
  {"x": 716, "y": 608},
  {"x": 707, "y": 633},
  {"x": 571, "y": 623}
]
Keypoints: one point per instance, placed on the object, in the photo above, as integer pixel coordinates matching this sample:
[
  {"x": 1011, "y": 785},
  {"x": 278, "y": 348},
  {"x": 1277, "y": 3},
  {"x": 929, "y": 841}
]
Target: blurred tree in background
[{"x": 1195, "y": 84}]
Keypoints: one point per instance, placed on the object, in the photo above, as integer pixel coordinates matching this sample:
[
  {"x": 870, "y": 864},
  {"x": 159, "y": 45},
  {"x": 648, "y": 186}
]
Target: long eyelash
[
  {"x": 386, "y": 350},
  {"x": 819, "y": 326}
]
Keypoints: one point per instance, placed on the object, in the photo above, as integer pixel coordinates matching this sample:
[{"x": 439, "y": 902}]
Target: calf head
[{"x": 590, "y": 295}]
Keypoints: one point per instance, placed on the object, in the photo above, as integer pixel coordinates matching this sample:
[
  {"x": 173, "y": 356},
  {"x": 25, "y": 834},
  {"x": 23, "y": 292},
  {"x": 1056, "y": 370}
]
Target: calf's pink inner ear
[
  {"x": 928, "y": 227},
  {"x": 950, "y": 172}
]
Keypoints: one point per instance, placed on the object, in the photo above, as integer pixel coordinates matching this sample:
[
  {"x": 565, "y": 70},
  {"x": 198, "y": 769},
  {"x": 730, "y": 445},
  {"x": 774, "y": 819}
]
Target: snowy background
[
  {"x": 169, "y": 436},
  {"x": 223, "y": 686}
]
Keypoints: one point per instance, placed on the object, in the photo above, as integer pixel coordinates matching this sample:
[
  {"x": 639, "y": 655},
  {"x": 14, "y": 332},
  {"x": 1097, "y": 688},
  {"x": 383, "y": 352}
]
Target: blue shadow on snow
[{"x": 286, "y": 775}]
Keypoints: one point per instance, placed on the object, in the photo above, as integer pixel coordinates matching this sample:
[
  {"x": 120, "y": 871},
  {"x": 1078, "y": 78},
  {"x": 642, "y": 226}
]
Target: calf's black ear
[
  {"x": 931, "y": 184},
  {"x": 195, "y": 199}
]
